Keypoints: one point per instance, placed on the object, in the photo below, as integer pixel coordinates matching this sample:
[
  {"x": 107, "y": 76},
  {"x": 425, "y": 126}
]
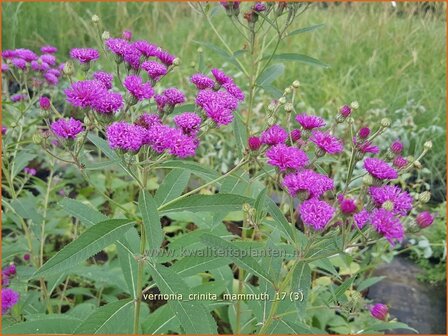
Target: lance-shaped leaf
[
  {"x": 86, "y": 245},
  {"x": 86, "y": 214},
  {"x": 301, "y": 282},
  {"x": 172, "y": 186},
  {"x": 151, "y": 219}
]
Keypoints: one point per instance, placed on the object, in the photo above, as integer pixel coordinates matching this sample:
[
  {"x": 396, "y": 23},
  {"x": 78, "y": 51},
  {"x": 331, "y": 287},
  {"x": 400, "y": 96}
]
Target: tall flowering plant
[{"x": 305, "y": 196}]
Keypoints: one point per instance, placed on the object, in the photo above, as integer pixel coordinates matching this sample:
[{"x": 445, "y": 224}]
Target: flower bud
[
  {"x": 340, "y": 118},
  {"x": 424, "y": 219},
  {"x": 37, "y": 139},
  {"x": 176, "y": 61},
  {"x": 69, "y": 68},
  {"x": 289, "y": 107},
  {"x": 367, "y": 180},
  {"x": 359, "y": 155},
  {"x": 396, "y": 147},
  {"x": 364, "y": 132},
  {"x": 254, "y": 143},
  {"x": 26, "y": 257},
  {"x": 388, "y": 205},
  {"x": 417, "y": 164},
  {"x": 379, "y": 311},
  {"x": 282, "y": 100},
  {"x": 44, "y": 103},
  {"x": 200, "y": 50},
  {"x": 271, "y": 107},
  {"x": 271, "y": 120},
  {"x": 345, "y": 111},
  {"x": 385, "y": 122},
  {"x": 427, "y": 145},
  {"x": 296, "y": 84},
  {"x": 105, "y": 35},
  {"x": 354, "y": 105},
  {"x": 424, "y": 197},
  {"x": 246, "y": 207},
  {"x": 95, "y": 19},
  {"x": 288, "y": 91},
  {"x": 400, "y": 162},
  {"x": 295, "y": 135},
  {"x": 13, "y": 124}
]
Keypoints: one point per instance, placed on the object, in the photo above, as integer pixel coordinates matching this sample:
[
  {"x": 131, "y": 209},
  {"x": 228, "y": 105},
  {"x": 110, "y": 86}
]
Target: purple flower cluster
[
  {"x": 9, "y": 296},
  {"x": 125, "y": 136},
  {"x": 308, "y": 181},
  {"x": 139, "y": 90},
  {"x": 84, "y": 55},
  {"x": 326, "y": 142},
  {"x": 67, "y": 128},
  {"x": 309, "y": 122},
  {"x": 105, "y": 78},
  {"x": 380, "y": 169},
  {"x": 316, "y": 213},
  {"x": 285, "y": 157},
  {"x": 188, "y": 122},
  {"x": 30, "y": 171},
  {"x": 154, "y": 69},
  {"x": 202, "y": 82},
  {"x": 399, "y": 201},
  {"x": 274, "y": 135}
]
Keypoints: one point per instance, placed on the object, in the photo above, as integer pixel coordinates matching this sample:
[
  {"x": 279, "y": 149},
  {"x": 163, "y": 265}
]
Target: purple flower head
[
  {"x": 127, "y": 35},
  {"x": 19, "y": 63},
  {"x": 84, "y": 55},
  {"x": 310, "y": 122},
  {"x": 400, "y": 162},
  {"x": 424, "y": 219},
  {"x": 361, "y": 218},
  {"x": 396, "y": 147},
  {"x": 54, "y": 72},
  {"x": 285, "y": 157},
  {"x": 147, "y": 49},
  {"x": 316, "y": 213},
  {"x": 128, "y": 137},
  {"x": 254, "y": 143},
  {"x": 259, "y": 7},
  {"x": 26, "y": 55},
  {"x": 387, "y": 225},
  {"x": 295, "y": 135},
  {"x": 347, "y": 205},
  {"x": 49, "y": 59},
  {"x": 8, "y": 54},
  {"x": 162, "y": 137},
  {"x": 44, "y": 103},
  {"x": 327, "y": 142},
  {"x": 84, "y": 93},
  {"x": 111, "y": 102},
  {"x": 9, "y": 299},
  {"x": 183, "y": 145},
  {"x": 18, "y": 97},
  {"x": 274, "y": 135},
  {"x": 132, "y": 57},
  {"x": 345, "y": 111},
  {"x": 51, "y": 78},
  {"x": 67, "y": 128},
  {"x": 314, "y": 184},
  {"x": 188, "y": 122},
  {"x": 364, "y": 132},
  {"x": 49, "y": 49},
  {"x": 221, "y": 77},
  {"x": 367, "y": 147},
  {"x": 400, "y": 201},
  {"x": 118, "y": 46},
  {"x": 39, "y": 66},
  {"x": 105, "y": 78},
  {"x": 154, "y": 69},
  {"x": 174, "y": 96},
  {"x": 10, "y": 270},
  {"x": 26, "y": 257},
  {"x": 379, "y": 311},
  {"x": 380, "y": 169},
  {"x": 137, "y": 88},
  {"x": 5, "y": 67},
  {"x": 165, "y": 57},
  {"x": 29, "y": 171},
  {"x": 202, "y": 82},
  {"x": 234, "y": 90},
  {"x": 148, "y": 120},
  {"x": 4, "y": 129},
  {"x": 217, "y": 105}
]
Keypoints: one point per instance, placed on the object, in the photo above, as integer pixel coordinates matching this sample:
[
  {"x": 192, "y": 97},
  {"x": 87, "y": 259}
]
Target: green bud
[
  {"x": 359, "y": 155},
  {"x": 427, "y": 145},
  {"x": 176, "y": 61},
  {"x": 340, "y": 118},
  {"x": 424, "y": 197},
  {"x": 417, "y": 164},
  {"x": 385, "y": 122},
  {"x": 296, "y": 84},
  {"x": 354, "y": 105},
  {"x": 282, "y": 100},
  {"x": 200, "y": 50},
  {"x": 105, "y": 35},
  {"x": 388, "y": 205},
  {"x": 246, "y": 207},
  {"x": 37, "y": 139},
  {"x": 69, "y": 68},
  {"x": 271, "y": 107},
  {"x": 288, "y": 91},
  {"x": 95, "y": 19},
  {"x": 289, "y": 107},
  {"x": 367, "y": 180}
]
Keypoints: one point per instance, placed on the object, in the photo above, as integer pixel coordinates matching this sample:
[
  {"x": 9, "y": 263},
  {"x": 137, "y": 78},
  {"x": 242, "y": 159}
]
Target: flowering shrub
[{"x": 304, "y": 200}]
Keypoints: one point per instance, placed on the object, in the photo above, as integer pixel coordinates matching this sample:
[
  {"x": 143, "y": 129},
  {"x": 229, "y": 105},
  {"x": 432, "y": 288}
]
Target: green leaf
[
  {"x": 50, "y": 324},
  {"x": 240, "y": 132},
  {"x": 195, "y": 168},
  {"x": 151, "y": 220},
  {"x": 388, "y": 326},
  {"x": 112, "y": 318},
  {"x": 301, "y": 282},
  {"x": 221, "y": 52},
  {"x": 341, "y": 290},
  {"x": 207, "y": 203},
  {"x": 280, "y": 220},
  {"x": 369, "y": 282},
  {"x": 128, "y": 266},
  {"x": 110, "y": 153},
  {"x": 160, "y": 322},
  {"x": 188, "y": 312},
  {"x": 86, "y": 214},
  {"x": 191, "y": 265},
  {"x": 172, "y": 186},
  {"x": 270, "y": 74},
  {"x": 260, "y": 211},
  {"x": 21, "y": 161},
  {"x": 280, "y": 326},
  {"x": 299, "y": 58},
  {"x": 93, "y": 240},
  {"x": 305, "y": 30},
  {"x": 238, "y": 255},
  {"x": 183, "y": 108}
]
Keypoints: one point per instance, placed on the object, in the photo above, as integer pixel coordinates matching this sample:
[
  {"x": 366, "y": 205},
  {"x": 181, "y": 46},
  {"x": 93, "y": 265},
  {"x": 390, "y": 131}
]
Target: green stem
[{"x": 138, "y": 298}]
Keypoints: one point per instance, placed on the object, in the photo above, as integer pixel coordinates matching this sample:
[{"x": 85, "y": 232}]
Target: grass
[{"x": 377, "y": 56}]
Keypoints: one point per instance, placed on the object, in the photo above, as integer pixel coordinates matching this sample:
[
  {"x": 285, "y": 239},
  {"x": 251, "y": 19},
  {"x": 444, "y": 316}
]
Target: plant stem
[{"x": 138, "y": 298}]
